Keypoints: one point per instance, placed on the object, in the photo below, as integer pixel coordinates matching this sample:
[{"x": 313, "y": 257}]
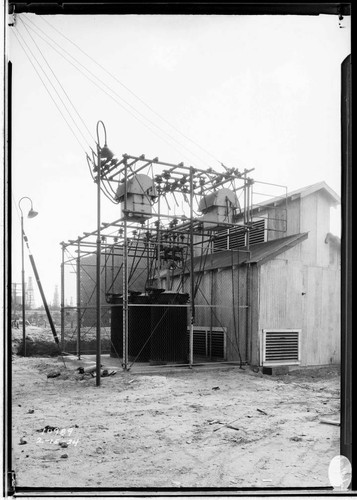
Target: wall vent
[
  {"x": 236, "y": 237},
  {"x": 280, "y": 347},
  {"x": 209, "y": 342},
  {"x": 257, "y": 232}
]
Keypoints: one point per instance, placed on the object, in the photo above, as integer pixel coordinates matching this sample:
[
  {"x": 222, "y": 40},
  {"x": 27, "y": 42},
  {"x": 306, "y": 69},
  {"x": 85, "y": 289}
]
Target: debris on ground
[
  {"x": 229, "y": 425},
  {"x": 107, "y": 373},
  {"x": 53, "y": 374},
  {"x": 23, "y": 441},
  {"x": 88, "y": 369},
  {"x": 328, "y": 421},
  {"x": 92, "y": 371},
  {"x": 262, "y": 411}
]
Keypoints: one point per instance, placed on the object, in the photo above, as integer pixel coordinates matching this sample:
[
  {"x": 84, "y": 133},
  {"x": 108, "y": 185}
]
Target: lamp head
[
  {"x": 32, "y": 213},
  {"x": 106, "y": 153}
]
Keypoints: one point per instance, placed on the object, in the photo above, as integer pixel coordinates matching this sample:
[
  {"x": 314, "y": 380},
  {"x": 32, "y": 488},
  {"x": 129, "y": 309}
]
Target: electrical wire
[
  {"x": 44, "y": 84},
  {"x": 59, "y": 83},
  {"x": 134, "y": 94},
  {"x": 236, "y": 321},
  {"x": 218, "y": 320},
  {"x": 51, "y": 83},
  {"x": 121, "y": 98}
]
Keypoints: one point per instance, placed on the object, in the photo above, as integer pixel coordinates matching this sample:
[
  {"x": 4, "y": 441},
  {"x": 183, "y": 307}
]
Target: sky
[{"x": 259, "y": 92}]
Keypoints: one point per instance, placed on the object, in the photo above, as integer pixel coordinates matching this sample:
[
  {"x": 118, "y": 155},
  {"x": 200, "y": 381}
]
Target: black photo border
[{"x": 347, "y": 390}]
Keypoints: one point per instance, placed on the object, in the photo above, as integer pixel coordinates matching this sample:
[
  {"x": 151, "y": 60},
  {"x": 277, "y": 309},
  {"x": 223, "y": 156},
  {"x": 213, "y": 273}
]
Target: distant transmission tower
[
  {"x": 30, "y": 298},
  {"x": 56, "y": 298},
  {"x": 16, "y": 299}
]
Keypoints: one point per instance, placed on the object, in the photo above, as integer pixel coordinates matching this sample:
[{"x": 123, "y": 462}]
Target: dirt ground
[{"x": 213, "y": 426}]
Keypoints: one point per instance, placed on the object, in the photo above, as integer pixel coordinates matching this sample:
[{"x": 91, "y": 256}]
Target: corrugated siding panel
[
  {"x": 293, "y": 217},
  {"x": 307, "y": 298},
  {"x": 323, "y": 227},
  {"x": 309, "y": 223},
  {"x": 273, "y": 294},
  {"x": 323, "y": 316}
]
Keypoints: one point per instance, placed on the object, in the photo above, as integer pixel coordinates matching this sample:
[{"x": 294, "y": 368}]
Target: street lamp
[{"x": 32, "y": 213}]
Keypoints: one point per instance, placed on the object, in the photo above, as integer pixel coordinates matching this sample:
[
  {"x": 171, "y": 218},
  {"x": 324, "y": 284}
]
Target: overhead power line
[
  {"x": 132, "y": 109},
  {"x": 77, "y": 64},
  {"x": 22, "y": 44},
  {"x": 59, "y": 83},
  {"x": 132, "y": 93}
]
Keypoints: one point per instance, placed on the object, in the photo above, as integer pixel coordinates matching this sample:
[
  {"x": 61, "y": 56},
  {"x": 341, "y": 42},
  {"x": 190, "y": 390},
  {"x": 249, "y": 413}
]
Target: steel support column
[
  {"x": 125, "y": 277},
  {"x": 98, "y": 274},
  {"x": 62, "y": 299},
  {"x": 78, "y": 276},
  {"x": 192, "y": 302}
]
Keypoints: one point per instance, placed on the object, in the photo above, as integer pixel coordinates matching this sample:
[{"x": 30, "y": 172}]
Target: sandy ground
[{"x": 168, "y": 428}]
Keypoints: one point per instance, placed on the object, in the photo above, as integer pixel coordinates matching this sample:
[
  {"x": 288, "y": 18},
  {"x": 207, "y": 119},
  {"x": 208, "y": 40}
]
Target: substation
[{"x": 147, "y": 282}]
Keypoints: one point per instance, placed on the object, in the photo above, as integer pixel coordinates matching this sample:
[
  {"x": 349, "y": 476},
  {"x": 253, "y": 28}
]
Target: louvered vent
[
  {"x": 209, "y": 342},
  {"x": 220, "y": 241},
  {"x": 235, "y": 237},
  {"x": 257, "y": 233},
  {"x": 280, "y": 347}
]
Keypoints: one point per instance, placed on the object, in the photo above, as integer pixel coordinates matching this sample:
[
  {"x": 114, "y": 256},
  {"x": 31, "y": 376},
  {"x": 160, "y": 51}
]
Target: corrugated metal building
[{"x": 278, "y": 300}]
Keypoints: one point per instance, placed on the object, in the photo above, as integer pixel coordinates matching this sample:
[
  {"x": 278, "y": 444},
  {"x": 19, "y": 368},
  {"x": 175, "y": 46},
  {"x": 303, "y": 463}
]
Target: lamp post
[
  {"x": 32, "y": 213},
  {"x": 103, "y": 153}
]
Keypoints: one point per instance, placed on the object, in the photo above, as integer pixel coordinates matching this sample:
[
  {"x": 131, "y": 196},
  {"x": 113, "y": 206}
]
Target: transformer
[
  {"x": 218, "y": 207},
  {"x": 141, "y": 193}
]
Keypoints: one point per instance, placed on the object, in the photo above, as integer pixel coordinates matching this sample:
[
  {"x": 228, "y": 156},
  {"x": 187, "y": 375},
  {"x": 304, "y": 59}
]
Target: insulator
[{"x": 183, "y": 179}]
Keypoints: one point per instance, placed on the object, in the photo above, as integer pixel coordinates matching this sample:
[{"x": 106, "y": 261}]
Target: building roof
[
  {"x": 262, "y": 252},
  {"x": 302, "y": 193},
  {"x": 257, "y": 254}
]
